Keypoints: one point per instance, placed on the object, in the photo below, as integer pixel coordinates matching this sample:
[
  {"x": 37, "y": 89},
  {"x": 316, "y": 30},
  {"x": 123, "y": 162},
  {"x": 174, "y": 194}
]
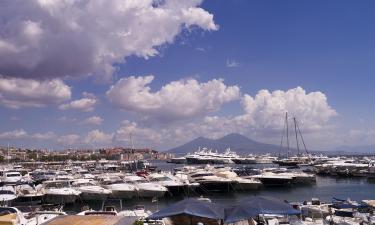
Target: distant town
[{"x": 13, "y": 154}]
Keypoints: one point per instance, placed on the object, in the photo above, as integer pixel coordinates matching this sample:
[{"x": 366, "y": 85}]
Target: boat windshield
[
  {"x": 202, "y": 175},
  {"x": 161, "y": 179},
  {"x": 13, "y": 175},
  {"x": 6, "y": 192}
]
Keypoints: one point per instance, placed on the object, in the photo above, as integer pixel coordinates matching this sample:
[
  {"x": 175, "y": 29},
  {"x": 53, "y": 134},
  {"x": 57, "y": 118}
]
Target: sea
[{"x": 326, "y": 188}]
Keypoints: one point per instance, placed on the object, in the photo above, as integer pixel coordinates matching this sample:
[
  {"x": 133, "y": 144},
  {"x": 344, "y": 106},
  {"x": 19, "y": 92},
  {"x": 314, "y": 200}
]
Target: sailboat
[{"x": 299, "y": 158}]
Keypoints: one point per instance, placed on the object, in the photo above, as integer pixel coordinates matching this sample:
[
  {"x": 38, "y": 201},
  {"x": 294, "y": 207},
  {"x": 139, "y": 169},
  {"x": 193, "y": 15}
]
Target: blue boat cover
[
  {"x": 192, "y": 207},
  {"x": 258, "y": 205}
]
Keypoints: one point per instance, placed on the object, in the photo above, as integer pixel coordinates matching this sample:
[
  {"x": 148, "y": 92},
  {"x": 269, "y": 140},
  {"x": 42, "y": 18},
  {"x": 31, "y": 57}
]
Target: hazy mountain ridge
[{"x": 237, "y": 142}]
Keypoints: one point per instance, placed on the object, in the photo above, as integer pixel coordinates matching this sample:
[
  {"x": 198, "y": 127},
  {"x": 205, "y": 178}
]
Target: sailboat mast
[
  {"x": 295, "y": 131},
  {"x": 287, "y": 134}
]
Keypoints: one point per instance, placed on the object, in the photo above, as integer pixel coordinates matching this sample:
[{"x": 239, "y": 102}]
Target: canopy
[
  {"x": 192, "y": 207},
  {"x": 257, "y": 205}
]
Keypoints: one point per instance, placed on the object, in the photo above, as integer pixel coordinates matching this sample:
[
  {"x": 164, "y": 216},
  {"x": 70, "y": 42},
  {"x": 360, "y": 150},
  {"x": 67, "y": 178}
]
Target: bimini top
[
  {"x": 258, "y": 205},
  {"x": 192, "y": 207}
]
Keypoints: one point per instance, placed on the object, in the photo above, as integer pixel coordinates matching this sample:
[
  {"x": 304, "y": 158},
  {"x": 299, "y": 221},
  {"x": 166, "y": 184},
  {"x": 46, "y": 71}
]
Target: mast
[
  {"x": 287, "y": 134},
  {"x": 295, "y": 131}
]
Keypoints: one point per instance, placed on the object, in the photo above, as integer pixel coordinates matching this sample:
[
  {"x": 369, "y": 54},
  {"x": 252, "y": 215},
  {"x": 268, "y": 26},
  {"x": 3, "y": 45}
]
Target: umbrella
[
  {"x": 257, "y": 205},
  {"x": 191, "y": 207}
]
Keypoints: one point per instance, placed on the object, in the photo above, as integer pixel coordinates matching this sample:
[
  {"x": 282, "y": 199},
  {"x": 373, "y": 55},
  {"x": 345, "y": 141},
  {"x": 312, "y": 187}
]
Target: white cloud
[
  {"x": 85, "y": 104},
  {"x": 22, "y": 134},
  {"x": 142, "y": 136},
  {"x": 15, "y": 134},
  {"x": 262, "y": 119},
  {"x": 69, "y": 140},
  {"x": 97, "y": 138},
  {"x": 65, "y": 119},
  {"x": 72, "y": 38},
  {"x": 232, "y": 63},
  {"x": 17, "y": 93},
  {"x": 177, "y": 100},
  {"x": 93, "y": 120},
  {"x": 267, "y": 109}
]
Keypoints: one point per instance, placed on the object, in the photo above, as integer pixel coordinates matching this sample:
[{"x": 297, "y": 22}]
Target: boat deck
[{"x": 91, "y": 220}]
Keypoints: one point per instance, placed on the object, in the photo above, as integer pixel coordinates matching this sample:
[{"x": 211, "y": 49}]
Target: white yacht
[
  {"x": 273, "y": 179},
  {"x": 91, "y": 190},
  {"x": 241, "y": 184},
  {"x": 145, "y": 188},
  {"x": 210, "y": 182},
  {"x": 29, "y": 193},
  {"x": 59, "y": 191},
  {"x": 11, "y": 177},
  {"x": 7, "y": 194},
  {"x": 174, "y": 184},
  {"x": 119, "y": 188}
]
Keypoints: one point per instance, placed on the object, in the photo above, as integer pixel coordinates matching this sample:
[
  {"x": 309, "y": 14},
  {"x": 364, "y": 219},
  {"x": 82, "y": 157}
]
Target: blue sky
[{"x": 320, "y": 46}]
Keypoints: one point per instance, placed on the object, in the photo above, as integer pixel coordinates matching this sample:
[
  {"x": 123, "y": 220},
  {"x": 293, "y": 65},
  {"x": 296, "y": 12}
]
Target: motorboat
[
  {"x": 210, "y": 182},
  {"x": 173, "y": 184},
  {"x": 90, "y": 190},
  {"x": 241, "y": 184},
  {"x": 59, "y": 191},
  {"x": 145, "y": 188},
  {"x": 273, "y": 179},
  {"x": 119, "y": 188},
  {"x": 29, "y": 194},
  {"x": 7, "y": 194},
  {"x": 11, "y": 178}
]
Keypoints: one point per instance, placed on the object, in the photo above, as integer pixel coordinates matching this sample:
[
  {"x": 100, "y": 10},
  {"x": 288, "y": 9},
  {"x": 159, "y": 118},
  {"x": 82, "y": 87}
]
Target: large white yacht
[
  {"x": 90, "y": 190},
  {"x": 174, "y": 184},
  {"x": 11, "y": 177},
  {"x": 209, "y": 181},
  {"x": 7, "y": 194},
  {"x": 59, "y": 191},
  {"x": 145, "y": 188},
  {"x": 241, "y": 184},
  {"x": 119, "y": 188}
]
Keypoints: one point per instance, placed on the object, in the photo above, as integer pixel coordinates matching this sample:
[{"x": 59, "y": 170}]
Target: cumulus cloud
[
  {"x": 85, "y": 104},
  {"x": 262, "y": 119},
  {"x": 97, "y": 137},
  {"x": 232, "y": 63},
  {"x": 22, "y": 134},
  {"x": 267, "y": 109},
  {"x": 93, "y": 120},
  {"x": 44, "y": 39},
  {"x": 142, "y": 136},
  {"x": 65, "y": 119},
  {"x": 69, "y": 139},
  {"x": 177, "y": 100},
  {"x": 17, "y": 93}
]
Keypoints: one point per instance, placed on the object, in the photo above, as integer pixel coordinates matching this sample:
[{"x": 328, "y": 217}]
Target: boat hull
[{"x": 58, "y": 199}]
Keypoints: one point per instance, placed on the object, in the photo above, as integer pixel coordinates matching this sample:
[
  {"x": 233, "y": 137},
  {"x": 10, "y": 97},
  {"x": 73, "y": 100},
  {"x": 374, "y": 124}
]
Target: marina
[{"x": 88, "y": 188}]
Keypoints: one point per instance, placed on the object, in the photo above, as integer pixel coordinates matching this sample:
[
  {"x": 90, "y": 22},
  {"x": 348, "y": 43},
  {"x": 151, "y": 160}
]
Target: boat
[
  {"x": 173, "y": 184},
  {"x": 90, "y": 190},
  {"x": 59, "y": 191},
  {"x": 7, "y": 195},
  {"x": 119, "y": 188},
  {"x": 241, "y": 184},
  {"x": 11, "y": 178},
  {"x": 145, "y": 188},
  {"x": 29, "y": 194},
  {"x": 208, "y": 181}
]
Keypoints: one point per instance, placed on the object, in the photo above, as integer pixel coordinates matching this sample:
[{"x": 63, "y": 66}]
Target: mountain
[{"x": 237, "y": 142}]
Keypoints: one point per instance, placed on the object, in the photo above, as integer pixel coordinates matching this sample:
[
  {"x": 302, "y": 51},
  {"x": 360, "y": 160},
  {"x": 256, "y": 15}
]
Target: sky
[{"x": 90, "y": 74}]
